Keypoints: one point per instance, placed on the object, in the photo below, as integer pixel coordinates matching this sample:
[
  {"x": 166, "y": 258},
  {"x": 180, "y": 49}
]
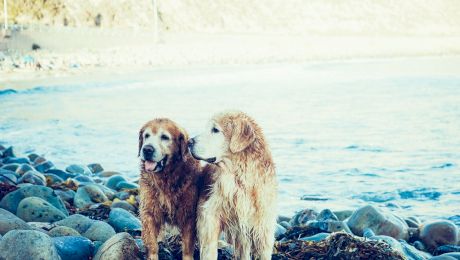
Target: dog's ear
[
  {"x": 242, "y": 136},
  {"x": 182, "y": 140},
  {"x": 141, "y": 141}
]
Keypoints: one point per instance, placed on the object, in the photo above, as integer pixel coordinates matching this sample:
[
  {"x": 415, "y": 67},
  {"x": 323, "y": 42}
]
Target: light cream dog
[{"x": 242, "y": 196}]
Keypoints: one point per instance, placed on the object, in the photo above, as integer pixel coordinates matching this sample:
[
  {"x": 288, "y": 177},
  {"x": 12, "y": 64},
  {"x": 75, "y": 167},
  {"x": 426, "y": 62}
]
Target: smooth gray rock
[
  {"x": 95, "y": 168},
  {"x": 74, "y": 247},
  {"x": 44, "y": 166},
  {"x": 99, "y": 231},
  {"x": 88, "y": 195},
  {"x": 34, "y": 209},
  {"x": 438, "y": 233},
  {"x": 113, "y": 181},
  {"x": 379, "y": 221},
  {"x": 33, "y": 177},
  {"x": 78, "y": 169},
  {"x": 124, "y": 185},
  {"x": 122, "y": 246},
  {"x": 11, "y": 201},
  {"x": 78, "y": 222},
  {"x": 28, "y": 244},
  {"x": 122, "y": 220},
  {"x": 66, "y": 195},
  {"x": 303, "y": 216},
  {"x": 9, "y": 221},
  {"x": 279, "y": 230},
  {"x": 63, "y": 231}
]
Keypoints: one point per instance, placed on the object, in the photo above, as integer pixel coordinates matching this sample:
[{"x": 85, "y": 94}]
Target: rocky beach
[{"x": 87, "y": 212}]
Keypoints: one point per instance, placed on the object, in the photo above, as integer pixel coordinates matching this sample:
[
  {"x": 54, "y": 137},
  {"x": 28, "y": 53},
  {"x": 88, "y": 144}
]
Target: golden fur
[
  {"x": 241, "y": 201},
  {"x": 171, "y": 196}
]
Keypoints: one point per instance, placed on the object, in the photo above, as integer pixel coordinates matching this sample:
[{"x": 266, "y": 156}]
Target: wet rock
[
  {"x": 412, "y": 222},
  {"x": 438, "y": 233},
  {"x": 8, "y": 152},
  {"x": 16, "y": 160},
  {"x": 108, "y": 174},
  {"x": 11, "y": 201},
  {"x": 11, "y": 167},
  {"x": 44, "y": 166},
  {"x": 52, "y": 179},
  {"x": 326, "y": 214},
  {"x": 99, "y": 231},
  {"x": 123, "y": 185},
  {"x": 23, "y": 168},
  {"x": 107, "y": 191},
  {"x": 39, "y": 160},
  {"x": 83, "y": 179},
  {"x": 32, "y": 156},
  {"x": 279, "y": 230},
  {"x": 66, "y": 195},
  {"x": 303, "y": 216},
  {"x": 88, "y": 195},
  {"x": 34, "y": 178},
  {"x": 285, "y": 224},
  {"x": 329, "y": 226},
  {"x": 28, "y": 244},
  {"x": 95, "y": 168},
  {"x": 74, "y": 247},
  {"x": 316, "y": 238},
  {"x": 379, "y": 221},
  {"x": 78, "y": 222},
  {"x": 8, "y": 177},
  {"x": 122, "y": 204},
  {"x": 61, "y": 174},
  {"x": 63, "y": 231},
  {"x": 122, "y": 195},
  {"x": 34, "y": 209},
  {"x": 121, "y": 246},
  {"x": 446, "y": 249},
  {"x": 121, "y": 220},
  {"x": 78, "y": 169},
  {"x": 9, "y": 221},
  {"x": 113, "y": 181}
]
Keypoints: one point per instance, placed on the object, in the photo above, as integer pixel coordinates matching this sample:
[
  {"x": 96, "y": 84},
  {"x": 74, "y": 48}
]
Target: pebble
[
  {"x": 78, "y": 169},
  {"x": 99, "y": 231},
  {"x": 316, "y": 238},
  {"x": 11, "y": 201},
  {"x": 33, "y": 177},
  {"x": 95, "y": 168},
  {"x": 78, "y": 222},
  {"x": 438, "y": 233},
  {"x": 124, "y": 185},
  {"x": 303, "y": 216},
  {"x": 122, "y": 204},
  {"x": 28, "y": 244},
  {"x": 113, "y": 181},
  {"x": 9, "y": 221},
  {"x": 62, "y": 231},
  {"x": 23, "y": 168},
  {"x": 44, "y": 166},
  {"x": 89, "y": 195},
  {"x": 73, "y": 247},
  {"x": 122, "y": 220},
  {"x": 34, "y": 209},
  {"x": 122, "y": 246},
  {"x": 379, "y": 221}
]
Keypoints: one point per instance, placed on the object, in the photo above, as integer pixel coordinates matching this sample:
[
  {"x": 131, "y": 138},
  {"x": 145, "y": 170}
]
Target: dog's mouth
[
  {"x": 152, "y": 166},
  {"x": 209, "y": 160}
]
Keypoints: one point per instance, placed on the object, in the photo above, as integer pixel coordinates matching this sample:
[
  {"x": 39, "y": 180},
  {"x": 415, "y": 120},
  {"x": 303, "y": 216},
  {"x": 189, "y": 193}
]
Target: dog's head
[
  {"x": 161, "y": 144},
  {"x": 226, "y": 134}
]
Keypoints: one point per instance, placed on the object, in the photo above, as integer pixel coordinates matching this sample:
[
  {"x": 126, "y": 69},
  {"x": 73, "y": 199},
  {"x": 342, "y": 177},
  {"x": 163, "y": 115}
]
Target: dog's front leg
[
  {"x": 188, "y": 240},
  {"x": 208, "y": 227},
  {"x": 150, "y": 225}
]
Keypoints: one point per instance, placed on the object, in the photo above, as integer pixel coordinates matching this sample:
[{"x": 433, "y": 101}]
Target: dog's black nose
[
  {"x": 148, "y": 151},
  {"x": 191, "y": 142}
]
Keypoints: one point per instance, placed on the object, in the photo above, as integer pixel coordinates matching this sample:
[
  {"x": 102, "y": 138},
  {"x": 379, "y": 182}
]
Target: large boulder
[
  {"x": 11, "y": 201},
  {"x": 123, "y": 220},
  {"x": 379, "y": 221},
  {"x": 34, "y": 209},
  {"x": 9, "y": 221},
  {"x": 27, "y": 244},
  {"x": 122, "y": 246},
  {"x": 74, "y": 247}
]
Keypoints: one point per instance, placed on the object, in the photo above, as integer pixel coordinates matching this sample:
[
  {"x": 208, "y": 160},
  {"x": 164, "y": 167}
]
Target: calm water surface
[{"x": 343, "y": 134}]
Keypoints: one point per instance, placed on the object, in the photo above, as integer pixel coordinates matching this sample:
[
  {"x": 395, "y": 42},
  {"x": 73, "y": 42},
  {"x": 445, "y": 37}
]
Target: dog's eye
[
  {"x": 164, "y": 137},
  {"x": 214, "y": 130},
  {"x": 146, "y": 136}
]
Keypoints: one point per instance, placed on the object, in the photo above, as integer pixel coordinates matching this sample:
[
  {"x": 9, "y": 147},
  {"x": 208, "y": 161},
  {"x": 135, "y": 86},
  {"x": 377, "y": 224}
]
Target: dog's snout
[
  {"x": 191, "y": 142},
  {"x": 148, "y": 151}
]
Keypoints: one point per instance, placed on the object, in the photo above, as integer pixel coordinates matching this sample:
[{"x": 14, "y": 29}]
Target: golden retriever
[
  {"x": 170, "y": 185},
  {"x": 242, "y": 197}
]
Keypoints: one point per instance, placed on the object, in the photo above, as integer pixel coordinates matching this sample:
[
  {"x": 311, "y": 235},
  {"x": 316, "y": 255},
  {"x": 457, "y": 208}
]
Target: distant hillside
[{"x": 338, "y": 17}]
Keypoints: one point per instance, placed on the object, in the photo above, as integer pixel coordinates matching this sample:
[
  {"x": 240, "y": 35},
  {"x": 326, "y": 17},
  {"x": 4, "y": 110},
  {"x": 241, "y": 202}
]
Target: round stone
[
  {"x": 28, "y": 244},
  {"x": 34, "y": 209}
]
